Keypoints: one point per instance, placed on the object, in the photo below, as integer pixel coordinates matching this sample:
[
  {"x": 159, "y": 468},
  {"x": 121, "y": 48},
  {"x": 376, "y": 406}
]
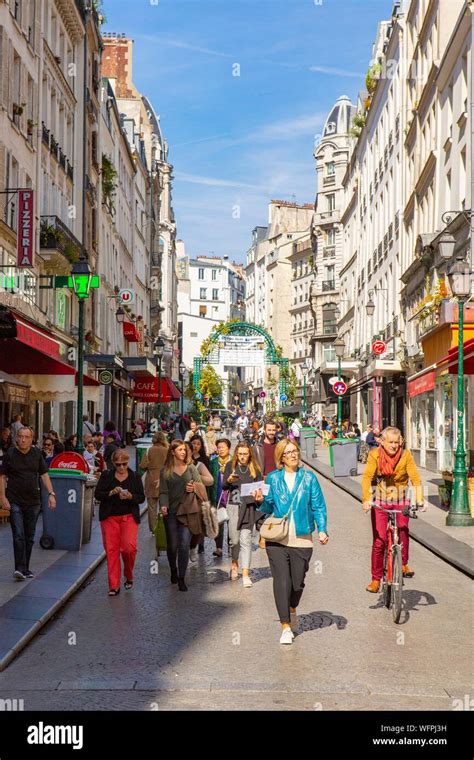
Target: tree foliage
[{"x": 210, "y": 384}]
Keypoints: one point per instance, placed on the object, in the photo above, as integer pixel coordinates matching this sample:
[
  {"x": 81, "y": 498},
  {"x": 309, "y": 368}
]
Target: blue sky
[{"x": 236, "y": 142}]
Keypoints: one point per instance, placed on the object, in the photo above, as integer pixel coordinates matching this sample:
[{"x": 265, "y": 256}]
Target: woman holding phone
[
  {"x": 120, "y": 491},
  {"x": 242, "y": 470}
]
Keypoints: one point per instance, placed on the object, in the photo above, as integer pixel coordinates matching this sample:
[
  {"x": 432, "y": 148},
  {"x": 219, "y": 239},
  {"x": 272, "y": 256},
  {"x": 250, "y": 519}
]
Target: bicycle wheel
[
  {"x": 397, "y": 583},
  {"x": 386, "y": 587}
]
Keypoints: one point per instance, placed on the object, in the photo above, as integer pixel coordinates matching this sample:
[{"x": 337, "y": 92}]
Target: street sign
[
  {"x": 126, "y": 296},
  {"x": 333, "y": 380},
  {"x": 105, "y": 377},
  {"x": 283, "y": 397},
  {"x": 378, "y": 347},
  {"x": 262, "y": 394},
  {"x": 340, "y": 388}
]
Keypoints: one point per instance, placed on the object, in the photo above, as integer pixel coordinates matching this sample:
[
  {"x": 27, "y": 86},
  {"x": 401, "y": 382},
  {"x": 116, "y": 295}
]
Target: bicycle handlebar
[{"x": 407, "y": 512}]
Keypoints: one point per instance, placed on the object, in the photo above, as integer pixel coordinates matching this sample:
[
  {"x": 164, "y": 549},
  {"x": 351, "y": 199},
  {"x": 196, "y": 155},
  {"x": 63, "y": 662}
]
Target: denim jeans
[
  {"x": 178, "y": 538},
  {"x": 23, "y": 523}
]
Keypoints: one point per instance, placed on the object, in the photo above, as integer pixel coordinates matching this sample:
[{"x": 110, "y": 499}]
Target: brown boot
[
  {"x": 373, "y": 587},
  {"x": 407, "y": 572}
]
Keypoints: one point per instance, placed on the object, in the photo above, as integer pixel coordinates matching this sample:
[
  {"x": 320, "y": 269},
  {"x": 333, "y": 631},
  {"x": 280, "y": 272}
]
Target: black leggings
[
  {"x": 289, "y": 565},
  {"x": 178, "y": 538}
]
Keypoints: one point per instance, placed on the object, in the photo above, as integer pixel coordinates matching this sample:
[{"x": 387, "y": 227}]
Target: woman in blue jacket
[{"x": 295, "y": 492}]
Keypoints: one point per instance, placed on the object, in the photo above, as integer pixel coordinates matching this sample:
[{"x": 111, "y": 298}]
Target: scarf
[
  {"x": 223, "y": 462},
  {"x": 387, "y": 463}
]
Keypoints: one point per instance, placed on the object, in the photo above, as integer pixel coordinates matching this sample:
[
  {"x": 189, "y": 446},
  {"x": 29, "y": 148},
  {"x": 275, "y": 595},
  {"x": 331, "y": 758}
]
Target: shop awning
[
  {"x": 60, "y": 388},
  {"x": 13, "y": 389},
  {"x": 146, "y": 389},
  {"x": 139, "y": 366},
  {"x": 130, "y": 332},
  {"x": 422, "y": 384},
  {"x": 450, "y": 361}
]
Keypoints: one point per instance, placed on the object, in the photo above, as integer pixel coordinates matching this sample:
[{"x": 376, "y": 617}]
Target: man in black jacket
[{"x": 264, "y": 449}]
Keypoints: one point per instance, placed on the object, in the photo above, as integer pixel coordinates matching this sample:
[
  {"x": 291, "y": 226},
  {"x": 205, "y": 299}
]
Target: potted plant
[
  {"x": 71, "y": 252},
  {"x": 17, "y": 109}
]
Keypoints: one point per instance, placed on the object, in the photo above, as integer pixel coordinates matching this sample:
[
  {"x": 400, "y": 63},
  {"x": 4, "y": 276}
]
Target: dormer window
[{"x": 331, "y": 128}]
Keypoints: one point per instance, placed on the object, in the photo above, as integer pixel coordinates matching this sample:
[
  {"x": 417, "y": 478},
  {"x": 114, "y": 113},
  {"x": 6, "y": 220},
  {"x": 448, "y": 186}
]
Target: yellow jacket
[{"x": 392, "y": 489}]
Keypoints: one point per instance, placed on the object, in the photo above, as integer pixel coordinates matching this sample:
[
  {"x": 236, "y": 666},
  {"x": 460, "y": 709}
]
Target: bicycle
[{"x": 392, "y": 578}]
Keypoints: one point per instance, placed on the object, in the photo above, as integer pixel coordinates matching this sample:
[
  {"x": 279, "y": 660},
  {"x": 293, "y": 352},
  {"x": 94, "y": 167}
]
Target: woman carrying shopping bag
[
  {"x": 297, "y": 506},
  {"x": 179, "y": 483},
  {"x": 153, "y": 462},
  {"x": 241, "y": 509}
]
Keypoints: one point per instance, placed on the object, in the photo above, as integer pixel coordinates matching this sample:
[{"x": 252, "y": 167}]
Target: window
[
  {"x": 203, "y": 294},
  {"x": 215, "y": 294},
  {"x": 329, "y": 352},
  {"x": 330, "y": 168},
  {"x": 331, "y": 201},
  {"x": 193, "y": 334},
  {"x": 201, "y": 275},
  {"x": 214, "y": 274},
  {"x": 202, "y": 311},
  {"x": 331, "y": 237}
]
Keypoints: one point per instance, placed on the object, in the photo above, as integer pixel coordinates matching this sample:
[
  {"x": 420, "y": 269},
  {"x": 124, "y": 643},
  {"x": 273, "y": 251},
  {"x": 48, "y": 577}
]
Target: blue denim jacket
[{"x": 309, "y": 506}]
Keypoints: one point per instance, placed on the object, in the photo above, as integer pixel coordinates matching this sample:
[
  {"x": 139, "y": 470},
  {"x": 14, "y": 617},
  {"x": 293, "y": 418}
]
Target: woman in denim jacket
[{"x": 294, "y": 489}]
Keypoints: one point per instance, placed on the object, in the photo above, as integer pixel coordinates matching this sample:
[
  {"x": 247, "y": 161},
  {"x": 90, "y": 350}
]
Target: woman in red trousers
[{"x": 120, "y": 491}]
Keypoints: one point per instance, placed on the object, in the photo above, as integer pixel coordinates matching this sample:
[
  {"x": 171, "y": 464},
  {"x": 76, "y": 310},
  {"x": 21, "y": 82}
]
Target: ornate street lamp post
[
  {"x": 459, "y": 277},
  {"x": 159, "y": 348},
  {"x": 81, "y": 280},
  {"x": 182, "y": 373},
  {"x": 339, "y": 347}
]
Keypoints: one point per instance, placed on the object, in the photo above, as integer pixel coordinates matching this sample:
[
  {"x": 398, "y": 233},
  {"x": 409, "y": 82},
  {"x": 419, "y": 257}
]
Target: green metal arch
[{"x": 245, "y": 328}]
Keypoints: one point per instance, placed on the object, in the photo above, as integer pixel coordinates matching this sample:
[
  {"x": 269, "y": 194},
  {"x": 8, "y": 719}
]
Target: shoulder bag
[{"x": 276, "y": 528}]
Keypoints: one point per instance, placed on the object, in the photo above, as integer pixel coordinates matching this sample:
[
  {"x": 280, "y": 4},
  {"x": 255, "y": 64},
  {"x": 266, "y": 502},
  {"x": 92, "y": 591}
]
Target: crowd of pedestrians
[{"x": 196, "y": 484}]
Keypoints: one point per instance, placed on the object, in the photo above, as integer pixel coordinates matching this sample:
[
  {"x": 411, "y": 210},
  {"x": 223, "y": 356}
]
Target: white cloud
[
  {"x": 156, "y": 38},
  {"x": 213, "y": 181},
  {"x": 336, "y": 72}
]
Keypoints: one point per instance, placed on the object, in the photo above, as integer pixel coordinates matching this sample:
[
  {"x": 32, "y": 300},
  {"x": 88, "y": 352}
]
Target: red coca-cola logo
[{"x": 69, "y": 460}]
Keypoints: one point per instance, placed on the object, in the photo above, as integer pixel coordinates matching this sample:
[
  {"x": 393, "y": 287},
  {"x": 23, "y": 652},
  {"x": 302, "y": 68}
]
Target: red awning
[
  {"x": 421, "y": 384},
  {"x": 88, "y": 380},
  {"x": 451, "y": 359},
  {"x": 130, "y": 332},
  {"x": 146, "y": 389}
]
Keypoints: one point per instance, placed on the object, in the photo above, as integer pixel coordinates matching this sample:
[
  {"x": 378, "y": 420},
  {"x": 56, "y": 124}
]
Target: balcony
[
  {"x": 45, "y": 134},
  {"x": 329, "y": 251},
  {"x": 54, "y": 147},
  {"x": 70, "y": 171},
  {"x": 56, "y": 237},
  {"x": 92, "y": 109},
  {"x": 327, "y": 217},
  {"x": 328, "y": 285},
  {"x": 330, "y": 180},
  {"x": 62, "y": 159}
]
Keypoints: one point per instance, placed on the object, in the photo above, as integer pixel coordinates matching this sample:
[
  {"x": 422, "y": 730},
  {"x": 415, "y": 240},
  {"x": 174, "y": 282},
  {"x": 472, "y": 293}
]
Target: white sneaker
[
  {"x": 193, "y": 554},
  {"x": 247, "y": 581},
  {"x": 293, "y": 621},
  {"x": 287, "y": 636}
]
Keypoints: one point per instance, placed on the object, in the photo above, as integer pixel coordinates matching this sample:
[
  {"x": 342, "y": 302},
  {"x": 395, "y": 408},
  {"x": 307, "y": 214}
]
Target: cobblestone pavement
[{"x": 216, "y": 647}]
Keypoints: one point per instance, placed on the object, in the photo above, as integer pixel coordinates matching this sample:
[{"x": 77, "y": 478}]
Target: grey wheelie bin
[
  {"x": 63, "y": 526},
  {"x": 343, "y": 456},
  {"x": 308, "y": 443}
]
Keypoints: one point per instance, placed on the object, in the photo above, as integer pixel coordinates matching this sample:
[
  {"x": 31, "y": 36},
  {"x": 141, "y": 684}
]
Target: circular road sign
[
  {"x": 105, "y": 377},
  {"x": 378, "y": 347},
  {"x": 262, "y": 394},
  {"x": 283, "y": 397},
  {"x": 126, "y": 296},
  {"x": 340, "y": 388}
]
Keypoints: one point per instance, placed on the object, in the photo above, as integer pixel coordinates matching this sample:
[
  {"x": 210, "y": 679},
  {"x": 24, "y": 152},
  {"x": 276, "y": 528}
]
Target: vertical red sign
[{"x": 26, "y": 228}]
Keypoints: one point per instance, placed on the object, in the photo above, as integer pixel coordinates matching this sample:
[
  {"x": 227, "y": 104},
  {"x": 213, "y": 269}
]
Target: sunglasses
[{"x": 121, "y": 464}]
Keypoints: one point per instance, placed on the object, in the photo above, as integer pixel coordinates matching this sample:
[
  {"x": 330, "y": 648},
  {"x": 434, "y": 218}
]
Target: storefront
[
  {"x": 38, "y": 358},
  {"x": 421, "y": 394},
  {"x": 14, "y": 399}
]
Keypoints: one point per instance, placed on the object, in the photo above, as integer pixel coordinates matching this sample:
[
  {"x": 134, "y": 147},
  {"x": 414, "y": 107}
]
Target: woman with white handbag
[
  {"x": 243, "y": 470},
  {"x": 297, "y": 507}
]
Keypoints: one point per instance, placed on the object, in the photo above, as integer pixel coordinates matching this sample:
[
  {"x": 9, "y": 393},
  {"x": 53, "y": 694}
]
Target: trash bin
[
  {"x": 307, "y": 443},
  {"x": 88, "y": 511},
  {"x": 63, "y": 526},
  {"x": 133, "y": 457},
  {"x": 343, "y": 456},
  {"x": 142, "y": 445}
]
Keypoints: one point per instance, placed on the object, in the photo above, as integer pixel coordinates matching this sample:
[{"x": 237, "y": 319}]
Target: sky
[{"x": 243, "y": 89}]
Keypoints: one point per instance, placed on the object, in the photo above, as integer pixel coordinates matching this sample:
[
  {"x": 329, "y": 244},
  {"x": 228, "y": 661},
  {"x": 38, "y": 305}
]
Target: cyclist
[
  {"x": 241, "y": 425},
  {"x": 389, "y": 468}
]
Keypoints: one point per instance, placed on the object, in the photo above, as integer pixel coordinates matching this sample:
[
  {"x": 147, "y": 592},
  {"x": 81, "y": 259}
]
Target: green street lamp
[
  {"x": 305, "y": 367},
  {"x": 159, "y": 348},
  {"x": 182, "y": 374},
  {"x": 459, "y": 277},
  {"x": 81, "y": 277},
  {"x": 339, "y": 347}
]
